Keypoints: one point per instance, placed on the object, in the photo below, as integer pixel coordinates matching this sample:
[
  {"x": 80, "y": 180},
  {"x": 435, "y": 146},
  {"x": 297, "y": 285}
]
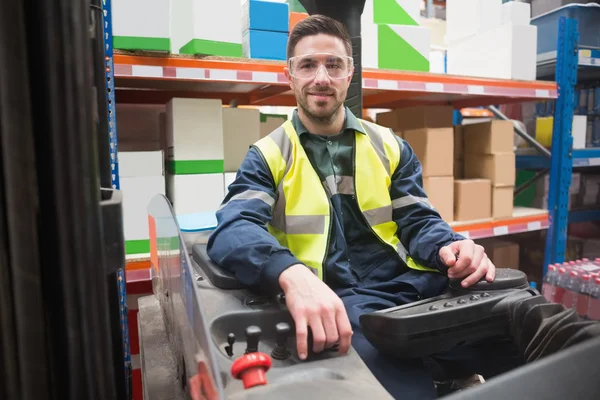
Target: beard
[{"x": 322, "y": 112}]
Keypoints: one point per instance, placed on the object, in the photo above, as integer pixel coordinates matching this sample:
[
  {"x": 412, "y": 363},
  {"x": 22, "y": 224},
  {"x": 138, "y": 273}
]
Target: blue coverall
[{"x": 366, "y": 274}]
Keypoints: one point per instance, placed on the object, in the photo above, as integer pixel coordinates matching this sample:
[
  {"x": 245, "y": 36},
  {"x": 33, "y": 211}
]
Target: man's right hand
[{"x": 312, "y": 303}]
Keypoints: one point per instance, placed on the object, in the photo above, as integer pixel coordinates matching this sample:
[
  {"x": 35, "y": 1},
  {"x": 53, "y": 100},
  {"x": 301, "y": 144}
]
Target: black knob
[
  {"x": 433, "y": 308},
  {"x": 230, "y": 342},
  {"x": 282, "y": 331},
  {"x": 462, "y": 301},
  {"x": 475, "y": 297},
  {"x": 485, "y": 295},
  {"x": 448, "y": 304},
  {"x": 252, "y": 338}
]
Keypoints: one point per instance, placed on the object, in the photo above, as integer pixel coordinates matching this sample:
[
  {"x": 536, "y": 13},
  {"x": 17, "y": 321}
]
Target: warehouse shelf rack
[
  {"x": 568, "y": 65},
  {"x": 157, "y": 79}
]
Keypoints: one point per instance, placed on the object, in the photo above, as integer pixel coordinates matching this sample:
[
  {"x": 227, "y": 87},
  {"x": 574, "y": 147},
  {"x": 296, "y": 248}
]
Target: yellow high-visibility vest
[{"x": 301, "y": 217}]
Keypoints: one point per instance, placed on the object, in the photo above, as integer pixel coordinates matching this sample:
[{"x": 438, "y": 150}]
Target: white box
[
  {"x": 228, "y": 179},
  {"x": 141, "y": 19},
  {"x": 468, "y": 17},
  {"x": 516, "y": 13},
  {"x": 385, "y": 12},
  {"x": 137, "y": 193},
  {"x": 194, "y": 129},
  {"x": 512, "y": 55},
  {"x": 216, "y": 21},
  {"x": 140, "y": 163},
  {"x": 195, "y": 193},
  {"x": 241, "y": 129},
  {"x": 382, "y": 44},
  {"x": 579, "y": 131}
]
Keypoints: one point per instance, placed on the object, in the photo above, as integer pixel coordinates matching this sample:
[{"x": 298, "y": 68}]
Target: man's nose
[{"x": 321, "y": 77}]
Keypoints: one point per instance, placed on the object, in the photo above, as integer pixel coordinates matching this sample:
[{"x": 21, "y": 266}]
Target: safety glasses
[{"x": 307, "y": 66}]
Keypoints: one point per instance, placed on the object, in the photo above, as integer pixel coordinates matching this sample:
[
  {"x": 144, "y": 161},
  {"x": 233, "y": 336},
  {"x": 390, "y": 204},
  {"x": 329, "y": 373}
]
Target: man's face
[{"x": 320, "y": 96}]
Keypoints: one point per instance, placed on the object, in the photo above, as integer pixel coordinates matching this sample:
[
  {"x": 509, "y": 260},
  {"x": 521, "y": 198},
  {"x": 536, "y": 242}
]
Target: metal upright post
[
  {"x": 112, "y": 131},
  {"x": 561, "y": 163}
]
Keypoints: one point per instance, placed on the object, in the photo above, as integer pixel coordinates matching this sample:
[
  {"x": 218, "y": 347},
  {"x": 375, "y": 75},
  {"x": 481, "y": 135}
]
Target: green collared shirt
[{"x": 330, "y": 155}]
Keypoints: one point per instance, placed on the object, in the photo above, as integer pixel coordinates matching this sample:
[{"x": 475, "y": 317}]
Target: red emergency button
[{"x": 251, "y": 369}]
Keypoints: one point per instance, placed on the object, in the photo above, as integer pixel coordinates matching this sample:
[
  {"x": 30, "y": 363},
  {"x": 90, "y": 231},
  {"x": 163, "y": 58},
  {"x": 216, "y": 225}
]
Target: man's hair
[{"x": 314, "y": 25}]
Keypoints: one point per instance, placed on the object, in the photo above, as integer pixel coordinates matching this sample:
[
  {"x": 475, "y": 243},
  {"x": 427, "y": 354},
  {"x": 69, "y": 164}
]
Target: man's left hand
[{"x": 468, "y": 260}]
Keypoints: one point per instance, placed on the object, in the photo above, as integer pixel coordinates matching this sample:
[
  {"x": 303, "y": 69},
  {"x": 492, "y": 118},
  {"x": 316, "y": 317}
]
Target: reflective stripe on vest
[{"x": 301, "y": 213}]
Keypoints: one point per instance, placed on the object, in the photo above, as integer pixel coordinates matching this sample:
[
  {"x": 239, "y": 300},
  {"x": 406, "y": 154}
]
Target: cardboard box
[
  {"x": 396, "y": 12},
  {"x": 513, "y": 55},
  {"x": 265, "y": 16},
  {"x": 141, "y": 25},
  {"x": 270, "y": 122},
  {"x": 516, "y": 13},
  {"x": 195, "y": 131},
  {"x": 264, "y": 45},
  {"x": 214, "y": 28},
  {"x": 296, "y": 17},
  {"x": 499, "y": 168},
  {"x": 410, "y": 118},
  {"x": 459, "y": 142},
  {"x": 472, "y": 199},
  {"x": 191, "y": 194},
  {"x": 140, "y": 163},
  {"x": 433, "y": 147},
  {"x": 489, "y": 137},
  {"x": 137, "y": 194},
  {"x": 440, "y": 191},
  {"x": 503, "y": 253},
  {"x": 241, "y": 129},
  {"x": 459, "y": 169},
  {"x": 502, "y": 201},
  {"x": 228, "y": 178},
  {"x": 381, "y": 44},
  {"x": 466, "y": 18}
]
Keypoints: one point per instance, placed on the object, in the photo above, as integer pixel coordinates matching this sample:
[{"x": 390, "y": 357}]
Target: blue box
[
  {"x": 265, "y": 16},
  {"x": 587, "y": 16},
  {"x": 264, "y": 45}
]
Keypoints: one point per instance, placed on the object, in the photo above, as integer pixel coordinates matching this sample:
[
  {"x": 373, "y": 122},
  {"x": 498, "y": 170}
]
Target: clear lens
[{"x": 306, "y": 66}]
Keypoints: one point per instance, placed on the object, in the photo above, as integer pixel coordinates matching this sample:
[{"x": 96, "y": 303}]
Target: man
[{"x": 330, "y": 210}]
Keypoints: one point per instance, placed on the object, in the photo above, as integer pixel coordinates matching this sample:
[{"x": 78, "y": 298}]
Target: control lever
[
  {"x": 253, "y": 333},
  {"x": 280, "y": 352},
  {"x": 230, "y": 342}
]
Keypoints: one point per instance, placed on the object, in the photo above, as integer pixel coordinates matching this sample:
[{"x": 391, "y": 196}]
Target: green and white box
[
  {"x": 395, "y": 47},
  {"x": 194, "y": 136},
  {"x": 241, "y": 129},
  {"x": 392, "y": 12},
  {"x": 141, "y": 176},
  {"x": 141, "y": 25},
  {"x": 195, "y": 193},
  {"x": 207, "y": 27}
]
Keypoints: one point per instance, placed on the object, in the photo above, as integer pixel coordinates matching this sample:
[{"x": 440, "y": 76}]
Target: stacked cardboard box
[
  {"x": 141, "y": 25},
  {"x": 141, "y": 176},
  {"x": 207, "y": 28},
  {"x": 503, "y": 253},
  {"x": 489, "y": 154},
  {"x": 391, "y": 27},
  {"x": 429, "y": 132},
  {"x": 195, "y": 159},
  {"x": 241, "y": 129},
  {"x": 265, "y": 29},
  {"x": 474, "y": 24}
]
